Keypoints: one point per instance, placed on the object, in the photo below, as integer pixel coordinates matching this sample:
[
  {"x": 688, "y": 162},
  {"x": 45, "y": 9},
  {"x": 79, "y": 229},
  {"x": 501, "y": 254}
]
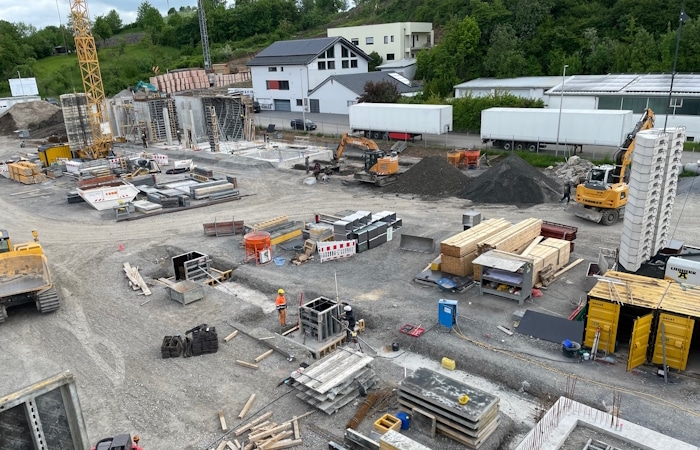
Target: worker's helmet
[
  {"x": 347, "y": 308},
  {"x": 280, "y": 291}
]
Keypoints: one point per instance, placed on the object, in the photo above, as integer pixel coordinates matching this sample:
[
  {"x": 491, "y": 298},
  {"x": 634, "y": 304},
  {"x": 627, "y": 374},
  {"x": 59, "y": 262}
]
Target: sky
[{"x": 43, "y": 13}]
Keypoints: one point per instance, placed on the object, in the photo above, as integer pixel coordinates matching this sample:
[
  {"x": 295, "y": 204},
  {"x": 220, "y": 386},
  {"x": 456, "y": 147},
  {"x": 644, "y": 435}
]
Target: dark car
[
  {"x": 300, "y": 124},
  {"x": 256, "y": 107}
]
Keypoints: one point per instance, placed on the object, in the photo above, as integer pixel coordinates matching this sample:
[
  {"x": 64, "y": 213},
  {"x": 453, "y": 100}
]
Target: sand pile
[
  {"x": 31, "y": 115},
  {"x": 432, "y": 176},
  {"x": 513, "y": 182}
]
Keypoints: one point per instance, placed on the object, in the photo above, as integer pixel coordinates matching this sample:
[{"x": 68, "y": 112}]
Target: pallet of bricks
[
  {"x": 181, "y": 80},
  {"x": 26, "y": 172}
]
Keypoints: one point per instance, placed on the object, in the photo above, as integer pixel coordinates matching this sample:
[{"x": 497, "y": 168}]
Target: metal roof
[
  {"x": 300, "y": 51},
  {"x": 629, "y": 84},
  {"x": 398, "y": 64},
  {"x": 511, "y": 83},
  {"x": 355, "y": 82}
]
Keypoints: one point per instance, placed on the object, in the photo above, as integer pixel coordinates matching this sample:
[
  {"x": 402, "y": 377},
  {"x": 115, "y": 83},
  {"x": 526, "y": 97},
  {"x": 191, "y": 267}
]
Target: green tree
[
  {"x": 172, "y": 11},
  {"x": 380, "y": 92},
  {"x": 504, "y": 57},
  {"x": 101, "y": 29},
  {"x": 149, "y": 18},
  {"x": 374, "y": 61},
  {"x": 114, "y": 21}
]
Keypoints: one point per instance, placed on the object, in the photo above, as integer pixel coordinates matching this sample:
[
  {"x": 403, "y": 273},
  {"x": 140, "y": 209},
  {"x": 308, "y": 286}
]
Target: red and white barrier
[
  {"x": 330, "y": 251},
  {"x": 162, "y": 160}
]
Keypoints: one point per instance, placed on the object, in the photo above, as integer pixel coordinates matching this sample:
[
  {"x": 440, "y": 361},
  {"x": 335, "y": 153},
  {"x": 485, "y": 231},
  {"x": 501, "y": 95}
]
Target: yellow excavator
[
  {"x": 603, "y": 195},
  {"x": 25, "y": 276},
  {"x": 379, "y": 169}
]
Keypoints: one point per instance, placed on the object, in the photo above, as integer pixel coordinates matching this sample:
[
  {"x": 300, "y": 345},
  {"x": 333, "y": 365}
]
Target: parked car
[
  {"x": 300, "y": 124},
  {"x": 256, "y": 107}
]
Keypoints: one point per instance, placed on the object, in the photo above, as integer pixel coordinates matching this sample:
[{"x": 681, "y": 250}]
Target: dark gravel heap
[
  {"x": 432, "y": 176},
  {"x": 513, "y": 181}
]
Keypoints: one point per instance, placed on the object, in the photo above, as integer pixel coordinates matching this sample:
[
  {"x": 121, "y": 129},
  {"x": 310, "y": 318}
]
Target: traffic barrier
[{"x": 332, "y": 250}]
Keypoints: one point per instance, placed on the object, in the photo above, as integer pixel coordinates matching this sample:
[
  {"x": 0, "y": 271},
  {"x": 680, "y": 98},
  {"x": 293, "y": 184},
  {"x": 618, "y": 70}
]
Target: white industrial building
[
  {"x": 406, "y": 67},
  {"x": 619, "y": 92},
  {"x": 285, "y": 72},
  {"x": 392, "y": 41},
  {"x": 338, "y": 92}
]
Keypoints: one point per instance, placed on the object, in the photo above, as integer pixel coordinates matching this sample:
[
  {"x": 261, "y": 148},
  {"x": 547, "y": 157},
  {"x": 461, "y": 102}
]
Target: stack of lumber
[
  {"x": 210, "y": 189},
  {"x": 457, "y": 252},
  {"x": 281, "y": 229},
  {"x": 264, "y": 434},
  {"x": 222, "y": 69},
  {"x": 221, "y": 80},
  {"x": 25, "y": 172},
  {"x": 136, "y": 282},
  {"x": 513, "y": 240},
  {"x": 393, "y": 440},
  {"x": 559, "y": 231},
  {"x": 437, "y": 397},
  {"x": 335, "y": 380},
  {"x": 549, "y": 256}
]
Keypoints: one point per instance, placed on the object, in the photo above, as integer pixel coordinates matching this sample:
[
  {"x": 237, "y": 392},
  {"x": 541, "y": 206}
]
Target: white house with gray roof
[
  {"x": 285, "y": 72},
  {"x": 526, "y": 87},
  {"x": 338, "y": 92}
]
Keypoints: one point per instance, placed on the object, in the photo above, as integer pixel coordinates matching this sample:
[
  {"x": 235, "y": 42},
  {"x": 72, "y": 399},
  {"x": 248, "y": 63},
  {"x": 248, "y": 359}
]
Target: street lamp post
[
  {"x": 303, "y": 107},
  {"x": 681, "y": 20},
  {"x": 21, "y": 86},
  {"x": 561, "y": 102}
]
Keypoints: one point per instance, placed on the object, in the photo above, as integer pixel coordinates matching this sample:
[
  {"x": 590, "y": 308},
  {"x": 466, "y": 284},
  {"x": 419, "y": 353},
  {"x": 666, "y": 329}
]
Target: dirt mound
[
  {"x": 31, "y": 115},
  {"x": 574, "y": 169},
  {"x": 513, "y": 182},
  {"x": 432, "y": 176}
]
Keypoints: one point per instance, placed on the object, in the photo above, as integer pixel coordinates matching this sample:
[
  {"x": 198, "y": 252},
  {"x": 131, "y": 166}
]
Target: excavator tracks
[
  {"x": 47, "y": 301},
  {"x": 3, "y": 313}
]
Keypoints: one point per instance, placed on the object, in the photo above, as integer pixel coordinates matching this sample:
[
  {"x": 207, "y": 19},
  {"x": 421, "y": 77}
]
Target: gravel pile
[
  {"x": 432, "y": 176},
  {"x": 31, "y": 115},
  {"x": 513, "y": 182}
]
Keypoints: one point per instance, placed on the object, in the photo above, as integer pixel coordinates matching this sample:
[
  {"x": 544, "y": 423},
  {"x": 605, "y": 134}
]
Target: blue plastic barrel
[{"x": 405, "y": 420}]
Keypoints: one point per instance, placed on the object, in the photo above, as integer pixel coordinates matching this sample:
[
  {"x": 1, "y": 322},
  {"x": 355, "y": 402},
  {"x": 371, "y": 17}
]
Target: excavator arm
[
  {"x": 623, "y": 156},
  {"x": 366, "y": 144}
]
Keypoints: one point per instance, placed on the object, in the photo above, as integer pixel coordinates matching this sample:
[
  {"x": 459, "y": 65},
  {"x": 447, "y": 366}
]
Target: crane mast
[
  {"x": 92, "y": 82},
  {"x": 205, "y": 35}
]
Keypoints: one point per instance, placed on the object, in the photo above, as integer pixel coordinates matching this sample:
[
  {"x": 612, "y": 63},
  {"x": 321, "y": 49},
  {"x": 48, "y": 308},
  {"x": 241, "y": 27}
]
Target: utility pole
[
  {"x": 681, "y": 20},
  {"x": 561, "y": 102}
]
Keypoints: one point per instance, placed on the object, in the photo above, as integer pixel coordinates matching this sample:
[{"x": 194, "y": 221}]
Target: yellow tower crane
[{"x": 92, "y": 83}]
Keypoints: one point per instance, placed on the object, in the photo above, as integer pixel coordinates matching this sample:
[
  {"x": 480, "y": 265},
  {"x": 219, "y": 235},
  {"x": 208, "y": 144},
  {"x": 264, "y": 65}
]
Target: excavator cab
[{"x": 371, "y": 159}]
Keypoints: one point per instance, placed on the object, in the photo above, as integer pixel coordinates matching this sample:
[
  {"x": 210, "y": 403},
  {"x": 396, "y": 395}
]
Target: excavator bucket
[
  {"x": 585, "y": 213},
  {"x": 417, "y": 243},
  {"x": 23, "y": 272}
]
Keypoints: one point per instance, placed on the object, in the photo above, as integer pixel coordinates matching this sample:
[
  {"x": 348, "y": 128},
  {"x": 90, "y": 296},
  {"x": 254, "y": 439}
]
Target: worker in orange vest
[{"x": 281, "y": 305}]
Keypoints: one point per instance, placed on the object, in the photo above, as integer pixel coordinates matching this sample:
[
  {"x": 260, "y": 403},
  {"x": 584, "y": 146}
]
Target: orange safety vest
[{"x": 281, "y": 302}]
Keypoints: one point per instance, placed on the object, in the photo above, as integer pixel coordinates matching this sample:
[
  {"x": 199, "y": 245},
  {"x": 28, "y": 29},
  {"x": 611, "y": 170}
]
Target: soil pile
[
  {"x": 432, "y": 176},
  {"x": 512, "y": 182},
  {"x": 33, "y": 116}
]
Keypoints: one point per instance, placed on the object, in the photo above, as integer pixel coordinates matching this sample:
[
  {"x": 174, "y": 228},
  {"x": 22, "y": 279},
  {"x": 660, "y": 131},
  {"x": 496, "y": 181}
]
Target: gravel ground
[{"x": 110, "y": 340}]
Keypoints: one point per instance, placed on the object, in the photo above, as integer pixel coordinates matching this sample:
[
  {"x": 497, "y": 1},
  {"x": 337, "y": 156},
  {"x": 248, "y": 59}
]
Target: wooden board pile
[
  {"x": 136, "y": 282},
  {"x": 263, "y": 434},
  {"x": 512, "y": 240},
  {"x": 458, "y": 251},
  {"x": 335, "y": 380},
  {"x": 187, "y": 79},
  {"x": 281, "y": 229},
  {"x": 25, "y": 172},
  {"x": 459, "y": 411}
]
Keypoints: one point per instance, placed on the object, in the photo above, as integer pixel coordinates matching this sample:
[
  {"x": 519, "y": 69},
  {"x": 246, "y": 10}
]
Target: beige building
[{"x": 392, "y": 41}]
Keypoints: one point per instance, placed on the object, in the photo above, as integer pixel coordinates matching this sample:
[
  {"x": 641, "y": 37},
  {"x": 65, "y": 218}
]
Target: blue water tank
[{"x": 447, "y": 312}]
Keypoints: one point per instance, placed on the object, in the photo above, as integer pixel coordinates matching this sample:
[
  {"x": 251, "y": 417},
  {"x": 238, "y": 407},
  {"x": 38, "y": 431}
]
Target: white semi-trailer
[
  {"x": 535, "y": 128},
  {"x": 399, "y": 121}
]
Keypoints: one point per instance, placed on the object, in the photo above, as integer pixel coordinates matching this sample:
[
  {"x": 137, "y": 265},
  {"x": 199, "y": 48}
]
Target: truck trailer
[
  {"x": 399, "y": 121},
  {"x": 534, "y": 128}
]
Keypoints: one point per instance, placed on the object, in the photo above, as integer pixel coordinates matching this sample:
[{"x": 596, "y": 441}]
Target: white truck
[
  {"x": 534, "y": 128},
  {"x": 399, "y": 121}
]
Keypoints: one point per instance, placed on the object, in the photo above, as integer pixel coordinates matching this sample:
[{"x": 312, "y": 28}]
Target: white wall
[
  {"x": 333, "y": 98},
  {"x": 183, "y": 105},
  {"x": 571, "y": 101}
]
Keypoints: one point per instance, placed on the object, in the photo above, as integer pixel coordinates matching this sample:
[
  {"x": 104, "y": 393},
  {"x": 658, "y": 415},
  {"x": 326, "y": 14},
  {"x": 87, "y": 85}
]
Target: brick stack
[
  {"x": 188, "y": 79},
  {"x": 221, "y": 80}
]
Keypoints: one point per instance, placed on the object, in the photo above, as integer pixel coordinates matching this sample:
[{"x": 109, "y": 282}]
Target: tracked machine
[
  {"x": 25, "y": 276},
  {"x": 379, "y": 168}
]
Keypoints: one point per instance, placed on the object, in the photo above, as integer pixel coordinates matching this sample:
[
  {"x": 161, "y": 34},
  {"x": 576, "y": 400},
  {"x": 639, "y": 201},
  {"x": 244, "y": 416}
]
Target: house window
[
  {"x": 300, "y": 102},
  {"x": 386, "y": 39},
  {"x": 331, "y": 65},
  {"x": 389, "y": 56},
  {"x": 272, "y": 69},
  {"x": 282, "y": 85},
  {"x": 369, "y": 40},
  {"x": 345, "y": 64},
  {"x": 321, "y": 65},
  {"x": 352, "y": 55},
  {"x": 330, "y": 53},
  {"x": 353, "y": 63},
  {"x": 344, "y": 52},
  {"x": 392, "y": 38},
  {"x": 355, "y": 41}
]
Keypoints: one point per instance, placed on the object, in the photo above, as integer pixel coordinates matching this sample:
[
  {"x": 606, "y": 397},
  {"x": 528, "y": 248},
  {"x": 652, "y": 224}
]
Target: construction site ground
[{"x": 109, "y": 336}]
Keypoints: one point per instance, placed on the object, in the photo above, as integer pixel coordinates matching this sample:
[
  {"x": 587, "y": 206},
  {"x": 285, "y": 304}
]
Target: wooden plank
[
  {"x": 295, "y": 425},
  {"x": 221, "y": 446},
  {"x": 570, "y": 266},
  {"x": 286, "y": 443},
  {"x": 505, "y": 330},
  {"x": 466, "y": 241},
  {"x": 513, "y": 239},
  {"x": 531, "y": 246},
  {"x": 275, "y": 438},
  {"x": 231, "y": 336},
  {"x": 232, "y": 445},
  {"x": 239, "y": 431},
  {"x": 133, "y": 274},
  {"x": 246, "y": 364},
  {"x": 264, "y": 355},
  {"x": 270, "y": 432},
  {"x": 222, "y": 420},
  {"x": 270, "y": 223},
  {"x": 247, "y": 406}
]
